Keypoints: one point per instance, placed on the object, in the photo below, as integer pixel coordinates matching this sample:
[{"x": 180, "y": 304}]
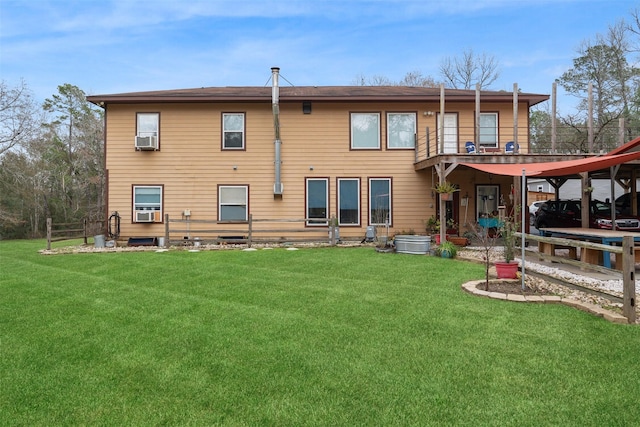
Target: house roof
[
  {"x": 623, "y": 154},
  {"x": 313, "y": 93}
]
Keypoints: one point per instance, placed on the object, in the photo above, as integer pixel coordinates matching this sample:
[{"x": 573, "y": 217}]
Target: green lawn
[{"x": 331, "y": 336}]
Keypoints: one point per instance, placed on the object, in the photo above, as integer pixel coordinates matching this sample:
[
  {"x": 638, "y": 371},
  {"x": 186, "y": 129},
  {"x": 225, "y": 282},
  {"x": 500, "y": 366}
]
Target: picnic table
[{"x": 592, "y": 256}]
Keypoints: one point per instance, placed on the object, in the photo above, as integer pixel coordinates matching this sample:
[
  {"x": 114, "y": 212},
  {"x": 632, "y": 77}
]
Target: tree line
[
  {"x": 51, "y": 160},
  {"x": 52, "y": 155}
]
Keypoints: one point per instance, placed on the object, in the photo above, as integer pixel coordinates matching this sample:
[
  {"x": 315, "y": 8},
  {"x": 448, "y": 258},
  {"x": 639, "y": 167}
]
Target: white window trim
[
  {"x": 326, "y": 202},
  {"x": 377, "y": 146},
  {"x": 390, "y": 217},
  {"x": 415, "y": 119},
  {"x": 486, "y": 133},
  {"x": 246, "y": 203},
  {"x": 347, "y": 224},
  {"x": 146, "y": 207},
  {"x": 224, "y": 131},
  {"x": 148, "y": 133}
]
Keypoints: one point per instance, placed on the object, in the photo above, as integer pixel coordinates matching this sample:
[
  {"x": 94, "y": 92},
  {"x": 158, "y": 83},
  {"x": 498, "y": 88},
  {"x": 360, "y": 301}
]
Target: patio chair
[
  {"x": 471, "y": 147},
  {"x": 511, "y": 147}
]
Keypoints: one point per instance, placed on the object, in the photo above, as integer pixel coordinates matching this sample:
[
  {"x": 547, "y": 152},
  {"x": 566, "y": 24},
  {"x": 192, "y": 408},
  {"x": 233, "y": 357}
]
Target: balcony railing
[{"x": 538, "y": 140}]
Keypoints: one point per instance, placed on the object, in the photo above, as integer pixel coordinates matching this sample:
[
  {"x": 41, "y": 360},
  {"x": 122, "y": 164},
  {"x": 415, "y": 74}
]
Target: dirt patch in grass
[{"x": 514, "y": 287}]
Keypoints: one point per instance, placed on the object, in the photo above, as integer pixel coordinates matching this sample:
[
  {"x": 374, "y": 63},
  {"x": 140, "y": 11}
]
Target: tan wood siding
[{"x": 191, "y": 164}]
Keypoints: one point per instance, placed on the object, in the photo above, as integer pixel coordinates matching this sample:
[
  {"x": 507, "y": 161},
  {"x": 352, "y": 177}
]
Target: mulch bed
[{"x": 513, "y": 287}]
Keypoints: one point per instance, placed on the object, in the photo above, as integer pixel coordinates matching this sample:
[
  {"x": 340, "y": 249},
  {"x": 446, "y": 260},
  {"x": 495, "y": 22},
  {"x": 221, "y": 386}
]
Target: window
[
  {"x": 348, "y": 201},
  {"x": 488, "y": 130},
  {"x": 317, "y": 200},
  {"x": 380, "y": 201},
  {"x": 147, "y": 203},
  {"x": 487, "y": 199},
  {"x": 148, "y": 124},
  {"x": 233, "y": 202},
  {"x": 365, "y": 131},
  {"x": 233, "y": 131},
  {"x": 401, "y": 131}
]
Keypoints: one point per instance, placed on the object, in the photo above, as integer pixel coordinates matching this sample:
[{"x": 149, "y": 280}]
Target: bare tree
[
  {"x": 469, "y": 69},
  {"x": 412, "y": 78},
  {"x": 17, "y": 122},
  {"x": 416, "y": 79}
]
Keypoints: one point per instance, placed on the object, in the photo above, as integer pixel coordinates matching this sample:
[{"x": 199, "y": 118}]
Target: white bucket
[{"x": 161, "y": 242}]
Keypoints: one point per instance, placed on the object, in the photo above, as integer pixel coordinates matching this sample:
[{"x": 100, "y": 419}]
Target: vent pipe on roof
[{"x": 275, "y": 99}]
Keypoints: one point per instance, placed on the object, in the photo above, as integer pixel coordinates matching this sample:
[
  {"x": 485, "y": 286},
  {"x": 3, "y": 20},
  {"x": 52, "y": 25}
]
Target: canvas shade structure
[{"x": 553, "y": 169}]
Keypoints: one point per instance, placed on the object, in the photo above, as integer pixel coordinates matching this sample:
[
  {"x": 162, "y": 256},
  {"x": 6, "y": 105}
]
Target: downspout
[{"x": 275, "y": 95}]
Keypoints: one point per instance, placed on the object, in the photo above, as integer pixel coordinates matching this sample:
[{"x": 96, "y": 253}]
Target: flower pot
[
  {"x": 437, "y": 236},
  {"x": 458, "y": 241},
  {"x": 445, "y": 196},
  {"x": 507, "y": 270},
  {"x": 445, "y": 253}
]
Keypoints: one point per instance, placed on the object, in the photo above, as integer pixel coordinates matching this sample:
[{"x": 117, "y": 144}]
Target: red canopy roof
[{"x": 569, "y": 167}]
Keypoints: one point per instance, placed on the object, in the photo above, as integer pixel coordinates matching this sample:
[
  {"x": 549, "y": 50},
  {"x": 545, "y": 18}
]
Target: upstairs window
[
  {"x": 233, "y": 131},
  {"x": 233, "y": 202},
  {"x": 148, "y": 124},
  {"x": 147, "y": 130},
  {"x": 365, "y": 131},
  {"x": 401, "y": 130},
  {"x": 488, "y": 130},
  {"x": 317, "y": 200}
]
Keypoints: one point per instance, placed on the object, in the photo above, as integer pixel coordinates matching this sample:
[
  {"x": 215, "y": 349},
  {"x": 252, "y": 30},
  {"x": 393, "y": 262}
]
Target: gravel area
[{"x": 559, "y": 271}]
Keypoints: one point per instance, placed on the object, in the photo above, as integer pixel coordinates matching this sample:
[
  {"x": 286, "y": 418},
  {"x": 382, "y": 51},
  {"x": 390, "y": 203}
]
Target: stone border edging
[{"x": 472, "y": 288}]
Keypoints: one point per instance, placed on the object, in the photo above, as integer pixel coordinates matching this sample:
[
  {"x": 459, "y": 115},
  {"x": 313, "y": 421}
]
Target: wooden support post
[
  {"x": 250, "y": 236},
  {"x": 166, "y": 230},
  {"x": 84, "y": 230},
  {"x": 628, "y": 279},
  {"x": 48, "y": 234}
]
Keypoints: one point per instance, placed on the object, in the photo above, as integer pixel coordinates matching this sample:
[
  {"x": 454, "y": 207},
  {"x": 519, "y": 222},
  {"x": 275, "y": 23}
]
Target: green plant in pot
[
  {"x": 432, "y": 225},
  {"x": 447, "y": 250},
  {"x": 509, "y": 268},
  {"x": 446, "y": 188}
]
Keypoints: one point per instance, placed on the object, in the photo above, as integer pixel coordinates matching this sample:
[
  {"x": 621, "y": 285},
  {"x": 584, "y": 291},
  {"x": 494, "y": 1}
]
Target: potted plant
[
  {"x": 508, "y": 268},
  {"x": 432, "y": 225},
  {"x": 446, "y": 189},
  {"x": 447, "y": 250}
]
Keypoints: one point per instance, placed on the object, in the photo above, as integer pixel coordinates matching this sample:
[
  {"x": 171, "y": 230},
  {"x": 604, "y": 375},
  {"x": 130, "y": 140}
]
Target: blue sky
[{"x": 113, "y": 46}]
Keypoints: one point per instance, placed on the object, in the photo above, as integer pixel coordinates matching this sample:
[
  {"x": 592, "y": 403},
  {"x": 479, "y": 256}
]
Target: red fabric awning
[{"x": 549, "y": 169}]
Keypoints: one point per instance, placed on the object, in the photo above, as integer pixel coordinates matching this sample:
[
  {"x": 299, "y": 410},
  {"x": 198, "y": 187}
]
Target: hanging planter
[{"x": 446, "y": 189}]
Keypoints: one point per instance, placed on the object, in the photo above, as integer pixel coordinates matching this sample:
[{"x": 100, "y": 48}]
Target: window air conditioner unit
[
  {"x": 146, "y": 142},
  {"x": 145, "y": 216}
]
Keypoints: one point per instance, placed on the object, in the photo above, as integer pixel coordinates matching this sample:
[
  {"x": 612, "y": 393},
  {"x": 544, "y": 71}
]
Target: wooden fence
[
  {"x": 65, "y": 231},
  {"x": 188, "y": 231},
  {"x": 624, "y": 263},
  {"x": 71, "y": 230}
]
